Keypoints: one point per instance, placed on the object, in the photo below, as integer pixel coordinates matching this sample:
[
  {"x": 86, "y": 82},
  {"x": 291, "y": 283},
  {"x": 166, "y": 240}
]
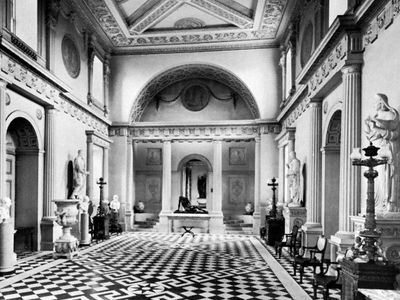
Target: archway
[
  {"x": 192, "y": 71},
  {"x": 23, "y": 173},
  {"x": 330, "y": 178},
  {"x": 196, "y": 176}
]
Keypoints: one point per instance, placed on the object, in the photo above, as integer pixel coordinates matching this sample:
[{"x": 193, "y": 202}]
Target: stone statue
[
  {"x": 84, "y": 204},
  {"x": 5, "y": 205},
  {"x": 79, "y": 175},
  {"x": 293, "y": 174},
  {"x": 202, "y": 186},
  {"x": 382, "y": 128}
]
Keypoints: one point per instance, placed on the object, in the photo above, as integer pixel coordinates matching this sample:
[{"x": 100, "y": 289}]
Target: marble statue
[
  {"x": 84, "y": 204},
  {"x": 5, "y": 205},
  {"x": 382, "y": 128},
  {"x": 79, "y": 175},
  {"x": 293, "y": 174},
  {"x": 202, "y": 186}
]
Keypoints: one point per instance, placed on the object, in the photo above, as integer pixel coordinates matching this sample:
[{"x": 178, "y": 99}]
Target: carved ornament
[
  {"x": 42, "y": 89},
  {"x": 139, "y": 37},
  {"x": 235, "y": 132},
  {"x": 381, "y": 22}
]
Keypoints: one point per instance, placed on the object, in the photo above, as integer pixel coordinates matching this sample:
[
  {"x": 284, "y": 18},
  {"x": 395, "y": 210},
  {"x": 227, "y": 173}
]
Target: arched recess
[
  {"x": 24, "y": 180},
  {"x": 192, "y": 71},
  {"x": 330, "y": 171},
  {"x": 196, "y": 175}
]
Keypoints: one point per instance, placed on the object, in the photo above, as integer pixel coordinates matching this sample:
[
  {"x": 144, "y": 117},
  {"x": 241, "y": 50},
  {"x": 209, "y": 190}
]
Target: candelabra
[{"x": 369, "y": 244}]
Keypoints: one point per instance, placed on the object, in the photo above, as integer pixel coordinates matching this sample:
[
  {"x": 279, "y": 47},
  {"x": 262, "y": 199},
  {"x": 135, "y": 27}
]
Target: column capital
[
  {"x": 3, "y": 83},
  {"x": 351, "y": 68},
  {"x": 315, "y": 103},
  {"x": 257, "y": 139},
  {"x": 166, "y": 141}
]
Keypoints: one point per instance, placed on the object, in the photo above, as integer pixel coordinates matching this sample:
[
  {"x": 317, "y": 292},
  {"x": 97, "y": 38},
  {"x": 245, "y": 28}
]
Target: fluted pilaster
[
  {"x": 49, "y": 184},
  {"x": 166, "y": 177},
  {"x": 130, "y": 187},
  {"x": 106, "y": 151},
  {"x": 257, "y": 176},
  {"x": 313, "y": 201},
  {"x": 351, "y": 136}
]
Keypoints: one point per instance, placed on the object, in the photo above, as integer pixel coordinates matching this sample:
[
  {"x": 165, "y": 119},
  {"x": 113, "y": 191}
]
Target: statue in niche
[
  {"x": 202, "y": 186},
  {"x": 293, "y": 174},
  {"x": 79, "y": 175},
  {"x": 382, "y": 128}
]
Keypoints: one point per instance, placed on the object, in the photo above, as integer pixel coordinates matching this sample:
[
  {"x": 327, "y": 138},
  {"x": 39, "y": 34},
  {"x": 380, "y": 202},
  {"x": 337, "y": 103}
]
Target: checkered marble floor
[
  {"x": 286, "y": 262},
  {"x": 144, "y": 265}
]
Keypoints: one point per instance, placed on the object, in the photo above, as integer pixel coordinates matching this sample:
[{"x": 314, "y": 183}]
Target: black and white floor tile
[{"x": 156, "y": 266}]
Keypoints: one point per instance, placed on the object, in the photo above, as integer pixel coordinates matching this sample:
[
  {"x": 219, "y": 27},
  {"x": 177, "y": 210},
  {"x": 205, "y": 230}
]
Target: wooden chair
[
  {"x": 328, "y": 281},
  {"x": 316, "y": 258},
  {"x": 290, "y": 241}
]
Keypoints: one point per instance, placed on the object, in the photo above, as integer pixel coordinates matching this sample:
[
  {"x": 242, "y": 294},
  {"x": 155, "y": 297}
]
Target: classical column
[
  {"x": 350, "y": 180},
  {"x": 165, "y": 224},
  {"x": 3, "y": 132},
  {"x": 351, "y": 136},
  {"x": 313, "y": 227},
  {"x": 130, "y": 186},
  {"x": 166, "y": 183},
  {"x": 257, "y": 185},
  {"x": 49, "y": 164},
  {"x": 89, "y": 164},
  {"x": 49, "y": 229},
  {"x": 216, "y": 220}
]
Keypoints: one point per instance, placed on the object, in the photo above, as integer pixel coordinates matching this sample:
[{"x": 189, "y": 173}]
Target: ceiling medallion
[
  {"x": 189, "y": 23},
  {"x": 195, "y": 97},
  {"x": 70, "y": 55}
]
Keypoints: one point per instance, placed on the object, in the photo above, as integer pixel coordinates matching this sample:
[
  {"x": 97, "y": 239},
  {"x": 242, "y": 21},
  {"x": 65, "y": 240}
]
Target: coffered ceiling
[{"x": 186, "y": 25}]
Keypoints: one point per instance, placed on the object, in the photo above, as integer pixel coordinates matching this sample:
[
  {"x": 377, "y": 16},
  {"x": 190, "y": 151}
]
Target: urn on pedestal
[{"x": 67, "y": 245}]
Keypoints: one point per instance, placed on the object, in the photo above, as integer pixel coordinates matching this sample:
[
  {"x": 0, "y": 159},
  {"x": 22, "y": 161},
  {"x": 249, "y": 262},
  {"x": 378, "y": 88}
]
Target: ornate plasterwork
[
  {"x": 296, "y": 113},
  {"x": 187, "y": 132},
  {"x": 186, "y": 23},
  {"x": 186, "y": 72},
  {"x": 381, "y": 22},
  {"x": 328, "y": 66},
  {"x": 42, "y": 89},
  {"x": 138, "y": 37}
]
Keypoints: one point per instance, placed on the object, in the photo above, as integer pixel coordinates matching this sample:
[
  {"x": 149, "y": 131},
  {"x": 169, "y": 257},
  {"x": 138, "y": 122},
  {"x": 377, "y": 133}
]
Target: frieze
[
  {"x": 196, "y": 132},
  {"x": 328, "y": 66},
  {"x": 42, "y": 89},
  {"x": 296, "y": 113},
  {"x": 381, "y": 22},
  {"x": 116, "y": 34}
]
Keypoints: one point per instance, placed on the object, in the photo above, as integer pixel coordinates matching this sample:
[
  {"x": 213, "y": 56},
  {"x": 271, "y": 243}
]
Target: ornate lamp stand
[
  {"x": 274, "y": 226},
  {"x": 365, "y": 266},
  {"x": 370, "y": 236}
]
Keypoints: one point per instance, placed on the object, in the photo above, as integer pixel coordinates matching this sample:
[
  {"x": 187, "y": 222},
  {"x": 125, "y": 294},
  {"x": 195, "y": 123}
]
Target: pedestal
[
  {"x": 85, "y": 236},
  {"x": 101, "y": 227},
  {"x": 7, "y": 256},
  {"x": 49, "y": 231},
  {"x": 365, "y": 275},
  {"x": 274, "y": 230},
  {"x": 294, "y": 216},
  {"x": 67, "y": 245},
  {"x": 340, "y": 242},
  {"x": 389, "y": 226}
]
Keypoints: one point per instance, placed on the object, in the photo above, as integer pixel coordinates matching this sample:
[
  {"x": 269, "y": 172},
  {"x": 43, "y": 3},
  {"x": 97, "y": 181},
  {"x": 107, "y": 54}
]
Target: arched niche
[
  {"x": 195, "y": 72},
  {"x": 196, "y": 173},
  {"x": 24, "y": 181}
]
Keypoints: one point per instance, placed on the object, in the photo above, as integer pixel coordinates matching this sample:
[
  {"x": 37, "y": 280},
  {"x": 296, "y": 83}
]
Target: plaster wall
[
  {"x": 79, "y": 85},
  {"x": 257, "y": 69},
  {"x": 380, "y": 74}
]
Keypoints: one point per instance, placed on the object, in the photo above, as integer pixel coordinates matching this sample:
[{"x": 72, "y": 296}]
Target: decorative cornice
[
  {"x": 381, "y": 22},
  {"x": 296, "y": 113},
  {"x": 112, "y": 28},
  {"x": 47, "y": 93},
  {"x": 100, "y": 140},
  {"x": 195, "y": 132}
]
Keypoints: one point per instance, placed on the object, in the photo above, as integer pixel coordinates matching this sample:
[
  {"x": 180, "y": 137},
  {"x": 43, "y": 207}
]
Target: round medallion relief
[
  {"x": 195, "y": 97},
  {"x": 70, "y": 55}
]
